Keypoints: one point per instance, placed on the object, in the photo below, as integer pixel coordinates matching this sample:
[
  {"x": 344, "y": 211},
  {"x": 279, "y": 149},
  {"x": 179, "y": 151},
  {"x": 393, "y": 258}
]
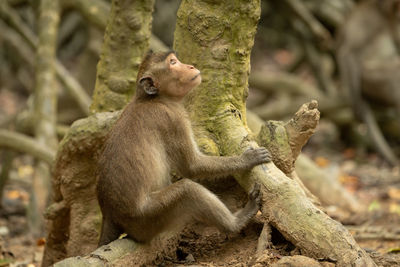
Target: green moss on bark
[
  {"x": 125, "y": 42},
  {"x": 217, "y": 37}
]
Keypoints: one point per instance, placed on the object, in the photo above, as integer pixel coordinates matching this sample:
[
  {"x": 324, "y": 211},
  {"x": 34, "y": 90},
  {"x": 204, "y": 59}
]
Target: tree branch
[{"x": 23, "y": 143}]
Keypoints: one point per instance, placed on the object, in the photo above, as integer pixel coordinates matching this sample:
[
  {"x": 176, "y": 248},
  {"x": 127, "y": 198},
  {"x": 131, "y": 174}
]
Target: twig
[
  {"x": 72, "y": 86},
  {"x": 23, "y": 143}
]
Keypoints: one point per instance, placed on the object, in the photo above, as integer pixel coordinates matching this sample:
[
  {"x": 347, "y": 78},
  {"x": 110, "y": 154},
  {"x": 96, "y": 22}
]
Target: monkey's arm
[
  {"x": 195, "y": 164},
  {"x": 200, "y": 165}
]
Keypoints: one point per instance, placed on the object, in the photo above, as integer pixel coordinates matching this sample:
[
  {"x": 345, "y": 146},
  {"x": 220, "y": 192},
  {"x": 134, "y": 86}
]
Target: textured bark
[
  {"x": 103, "y": 256},
  {"x": 327, "y": 189},
  {"x": 220, "y": 35},
  {"x": 74, "y": 217},
  {"x": 125, "y": 41}
]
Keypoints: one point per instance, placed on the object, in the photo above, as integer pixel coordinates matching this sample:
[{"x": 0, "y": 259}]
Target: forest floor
[{"x": 376, "y": 230}]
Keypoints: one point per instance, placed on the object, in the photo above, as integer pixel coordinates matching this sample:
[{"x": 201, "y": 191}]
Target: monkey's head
[{"x": 162, "y": 74}]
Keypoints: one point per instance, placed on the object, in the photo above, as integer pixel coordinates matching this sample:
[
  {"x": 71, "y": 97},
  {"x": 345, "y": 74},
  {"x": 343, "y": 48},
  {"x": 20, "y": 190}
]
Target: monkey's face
[
  {"x": 162, "y": 74},
  {"x": 180, "y": 78}
]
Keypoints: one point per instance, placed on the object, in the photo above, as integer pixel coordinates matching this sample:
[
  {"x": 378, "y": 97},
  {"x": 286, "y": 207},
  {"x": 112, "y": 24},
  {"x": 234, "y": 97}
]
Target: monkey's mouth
[{"x": 197, "y": 75}]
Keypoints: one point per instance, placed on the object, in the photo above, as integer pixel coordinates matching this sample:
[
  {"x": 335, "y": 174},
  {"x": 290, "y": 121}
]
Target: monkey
[{"x": 153, "y": 137}]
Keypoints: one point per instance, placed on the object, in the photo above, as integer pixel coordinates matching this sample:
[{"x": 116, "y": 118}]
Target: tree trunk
[
  {"x": 220, "y": 36},
  {"x": 45, "y": 109},
  {"x": 125, "y": 40}
]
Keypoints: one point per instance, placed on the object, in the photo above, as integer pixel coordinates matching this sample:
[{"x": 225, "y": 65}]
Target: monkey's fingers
[{"x": 264, "y": 155}]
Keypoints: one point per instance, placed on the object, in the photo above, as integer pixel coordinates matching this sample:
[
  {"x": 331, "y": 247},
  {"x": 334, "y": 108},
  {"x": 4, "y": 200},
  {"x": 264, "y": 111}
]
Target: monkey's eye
[{"x": 172, "y": 61}]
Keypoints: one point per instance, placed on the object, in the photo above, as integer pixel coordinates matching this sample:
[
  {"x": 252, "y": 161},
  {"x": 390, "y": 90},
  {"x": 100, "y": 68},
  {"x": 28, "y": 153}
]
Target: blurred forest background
[{"x": 343, "y": 53}]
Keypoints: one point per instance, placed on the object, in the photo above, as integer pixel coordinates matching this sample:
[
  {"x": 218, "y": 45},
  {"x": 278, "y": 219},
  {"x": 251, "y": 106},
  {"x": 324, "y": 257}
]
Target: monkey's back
[{"x": 134, "y": 159}]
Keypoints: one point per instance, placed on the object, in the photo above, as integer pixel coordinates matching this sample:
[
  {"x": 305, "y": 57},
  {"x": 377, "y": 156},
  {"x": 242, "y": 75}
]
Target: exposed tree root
[{"x": 75, "y": 209}]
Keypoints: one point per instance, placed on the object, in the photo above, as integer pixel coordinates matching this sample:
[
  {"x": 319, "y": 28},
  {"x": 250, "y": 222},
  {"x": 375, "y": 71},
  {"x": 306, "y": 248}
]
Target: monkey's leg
[
  {"x": 182, "y": 201},
  {"x": 109, "y": 231}
]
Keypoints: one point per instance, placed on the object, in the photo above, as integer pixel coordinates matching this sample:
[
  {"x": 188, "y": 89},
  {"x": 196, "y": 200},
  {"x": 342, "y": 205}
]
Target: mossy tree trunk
[
  {"x": 126, "y": 39},
  {"x": 217, "y": 37}
]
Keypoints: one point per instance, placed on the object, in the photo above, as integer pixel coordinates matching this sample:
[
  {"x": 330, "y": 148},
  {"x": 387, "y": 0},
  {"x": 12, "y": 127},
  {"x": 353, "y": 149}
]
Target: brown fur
[{"x": 153, "y": 137}]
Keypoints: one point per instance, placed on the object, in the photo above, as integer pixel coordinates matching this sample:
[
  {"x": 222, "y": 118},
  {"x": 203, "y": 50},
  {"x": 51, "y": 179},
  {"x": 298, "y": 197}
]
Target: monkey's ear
[{"x": 148, "y": 85}]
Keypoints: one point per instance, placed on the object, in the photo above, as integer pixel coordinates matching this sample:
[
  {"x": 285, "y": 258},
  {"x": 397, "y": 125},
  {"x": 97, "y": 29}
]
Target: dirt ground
[{"x": 377, "y": 229}]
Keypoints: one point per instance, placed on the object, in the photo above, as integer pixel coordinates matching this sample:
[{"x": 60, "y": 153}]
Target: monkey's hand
[{"x": 256, "y": 156}]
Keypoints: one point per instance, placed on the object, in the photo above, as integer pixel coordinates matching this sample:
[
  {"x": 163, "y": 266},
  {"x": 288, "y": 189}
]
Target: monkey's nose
[{"x": 191, "y": 67}]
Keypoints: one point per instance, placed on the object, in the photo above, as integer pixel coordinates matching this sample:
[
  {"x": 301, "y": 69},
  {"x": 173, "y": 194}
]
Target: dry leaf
[
  {"x": 322, "y": 161},
  {"x": 352, "y": 183}
]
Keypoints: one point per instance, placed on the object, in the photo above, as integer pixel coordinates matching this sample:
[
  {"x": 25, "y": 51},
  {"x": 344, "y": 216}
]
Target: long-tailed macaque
[{"x": 153, "y": 137}]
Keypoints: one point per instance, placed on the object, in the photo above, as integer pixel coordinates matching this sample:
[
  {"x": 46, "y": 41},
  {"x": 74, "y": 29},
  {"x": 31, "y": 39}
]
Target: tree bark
[
  {"x": 218, "y": 114},
  {"x": 125, "y": 41}
]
